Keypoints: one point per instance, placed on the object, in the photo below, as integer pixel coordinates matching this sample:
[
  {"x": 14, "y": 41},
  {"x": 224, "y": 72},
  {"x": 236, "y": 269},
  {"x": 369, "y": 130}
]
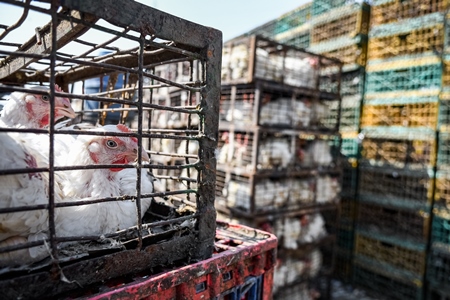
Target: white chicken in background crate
[
  {"x": 269, "y": 67},
  {"x": 192, "y": 149},
  {"x": 268, "y": 194},
  {"x": 242, "y": 113},
  {"x": 290, "y": 269},
  {"x": 284, "y": 111},
  {"x": 274, "y": 153},
  {"x": 313, "y": 229},
  {"x": 303, "y": 230},
  {"x": 235, "y": 152},
  {"x": 301, "y": 72},
  {"x": 171, "y": 119},
  {"x": 235, "y": 62},
  {"x": 301, "y": 191},
  {"x": 320, "y": 114},
  {"x": 275, "y": 112},
  {"x": 300, "y": 115},
  {"x": 327, "y": 189},
  {"x": 317, "y": 153}
]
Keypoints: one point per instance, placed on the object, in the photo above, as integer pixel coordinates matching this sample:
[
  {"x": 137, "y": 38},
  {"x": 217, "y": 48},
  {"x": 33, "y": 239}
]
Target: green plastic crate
[{"x": 405, "y": 78}]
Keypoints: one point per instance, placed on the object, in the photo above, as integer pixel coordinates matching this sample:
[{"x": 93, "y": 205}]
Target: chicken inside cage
[{"x": 104, "y": 127}]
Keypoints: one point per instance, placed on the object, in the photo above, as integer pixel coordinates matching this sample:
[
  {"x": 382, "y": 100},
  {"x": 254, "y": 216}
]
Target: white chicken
[
  {"x": 17, "y": 190},
  {"x": 105, "y": 217},
  {"x": 98, "y": 150},
  {"x": 94, "y": 219},
  {"x": 28, "y": 110},
  {"x": 314, "y": 229},
  {"x": 274, "y": 152}
]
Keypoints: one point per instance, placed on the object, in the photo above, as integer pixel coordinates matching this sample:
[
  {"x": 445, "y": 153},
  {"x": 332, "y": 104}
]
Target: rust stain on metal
[{"x": 147, "y": 29}]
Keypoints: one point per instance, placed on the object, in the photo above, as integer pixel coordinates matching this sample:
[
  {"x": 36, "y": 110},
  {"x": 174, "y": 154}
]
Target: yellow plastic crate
[{"x": 406, "y": 115}]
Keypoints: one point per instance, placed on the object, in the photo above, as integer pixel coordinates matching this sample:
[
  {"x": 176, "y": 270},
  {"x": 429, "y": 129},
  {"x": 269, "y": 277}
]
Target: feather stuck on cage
[{"x": 31, "y": 110}]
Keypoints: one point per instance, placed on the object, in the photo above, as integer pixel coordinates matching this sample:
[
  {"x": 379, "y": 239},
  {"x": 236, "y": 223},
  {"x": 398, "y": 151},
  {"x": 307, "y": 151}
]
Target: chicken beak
[
  {"x": 64, "y": 108},
  {"x": 145, "y": 156},
  {"x": 133, "y": 156}
]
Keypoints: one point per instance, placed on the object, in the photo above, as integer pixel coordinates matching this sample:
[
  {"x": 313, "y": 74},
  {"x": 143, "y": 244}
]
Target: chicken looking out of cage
[
  {"x": 99, "y": 176},
  {"x": 30, "y": 150}
]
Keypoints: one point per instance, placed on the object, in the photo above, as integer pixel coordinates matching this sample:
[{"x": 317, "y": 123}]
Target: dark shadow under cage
[{"x": 117, "y": 63}]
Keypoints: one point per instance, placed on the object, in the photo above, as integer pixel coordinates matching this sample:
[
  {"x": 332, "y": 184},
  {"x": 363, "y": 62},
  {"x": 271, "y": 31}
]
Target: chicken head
[
  {"x": 32, "y": 110},
  {"x": 115, "y": 149}
]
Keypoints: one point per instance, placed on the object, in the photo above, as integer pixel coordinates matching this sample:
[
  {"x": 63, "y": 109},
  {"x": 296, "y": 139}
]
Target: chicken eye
[
  {"x": 111, "y": 144},
  {"x": 45, "y": 98}
]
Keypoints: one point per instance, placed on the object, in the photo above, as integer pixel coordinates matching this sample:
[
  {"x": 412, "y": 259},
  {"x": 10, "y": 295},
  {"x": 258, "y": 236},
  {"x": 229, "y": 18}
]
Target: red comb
[
  {"x": 58, "y": 89},
  {"x": 124, "y": 128}
]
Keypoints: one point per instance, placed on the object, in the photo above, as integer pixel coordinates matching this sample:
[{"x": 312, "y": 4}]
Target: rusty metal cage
[
  {"x": 117, "y": 62},
  {"x": 277, "y": 151},
  {"x": 249, "y": 58},
  {"x": 274, "y": 105}
]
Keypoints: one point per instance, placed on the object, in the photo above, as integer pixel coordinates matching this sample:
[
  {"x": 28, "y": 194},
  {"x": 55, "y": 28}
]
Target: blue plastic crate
[
  {"x": 350, "y": 113},
  {"x": 322, "y": 6},
  {"x": 404, "y": 78},
  {"x": 443, "y": 158},
  {"x": 346, "y": 238},
  {"x": 444, "y": 110},
  {"x": 299, "y": 37},
  {"x": 288, "y": 21},
  {"x": 349, "y": 146},
  {"x": 442, "y": 189},
  {"x": 352, "y": 82},
  {"x": 349, "y": 178},
  {"x": 251, "y": 289},
  {"x": 440, "y": 227},
  {"x": 438, "y": 267}
]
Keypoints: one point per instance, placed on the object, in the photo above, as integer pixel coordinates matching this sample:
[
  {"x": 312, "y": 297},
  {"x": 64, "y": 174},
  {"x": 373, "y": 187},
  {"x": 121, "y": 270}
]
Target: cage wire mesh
[{"x": 118, "y": 65}]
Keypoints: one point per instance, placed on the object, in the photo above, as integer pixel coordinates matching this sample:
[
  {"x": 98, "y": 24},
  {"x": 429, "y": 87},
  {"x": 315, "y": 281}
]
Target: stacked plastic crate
[
  {"x": 398, "y": 151},
  {"x": 438, "y": 272},
  {"x": 277, "y": 165},
  {"x": 292, "y": 28},
  {"x": 339, "y": 29}
]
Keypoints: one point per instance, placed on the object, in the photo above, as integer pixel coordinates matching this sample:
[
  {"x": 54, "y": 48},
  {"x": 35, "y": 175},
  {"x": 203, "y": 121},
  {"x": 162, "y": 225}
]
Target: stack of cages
[
  {"x": 278, "y": 161},
  {"x": 438, "y": 273},
  {"x": 339, "y": 29},
  {"x": 398, "y": 148},
  {"x": 291, "y": 28},
  {"x": 80, "y": 204}
]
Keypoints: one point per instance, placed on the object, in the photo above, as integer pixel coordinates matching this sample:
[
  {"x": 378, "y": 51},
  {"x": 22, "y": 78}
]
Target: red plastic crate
[{"x": 242, "y": 266}]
